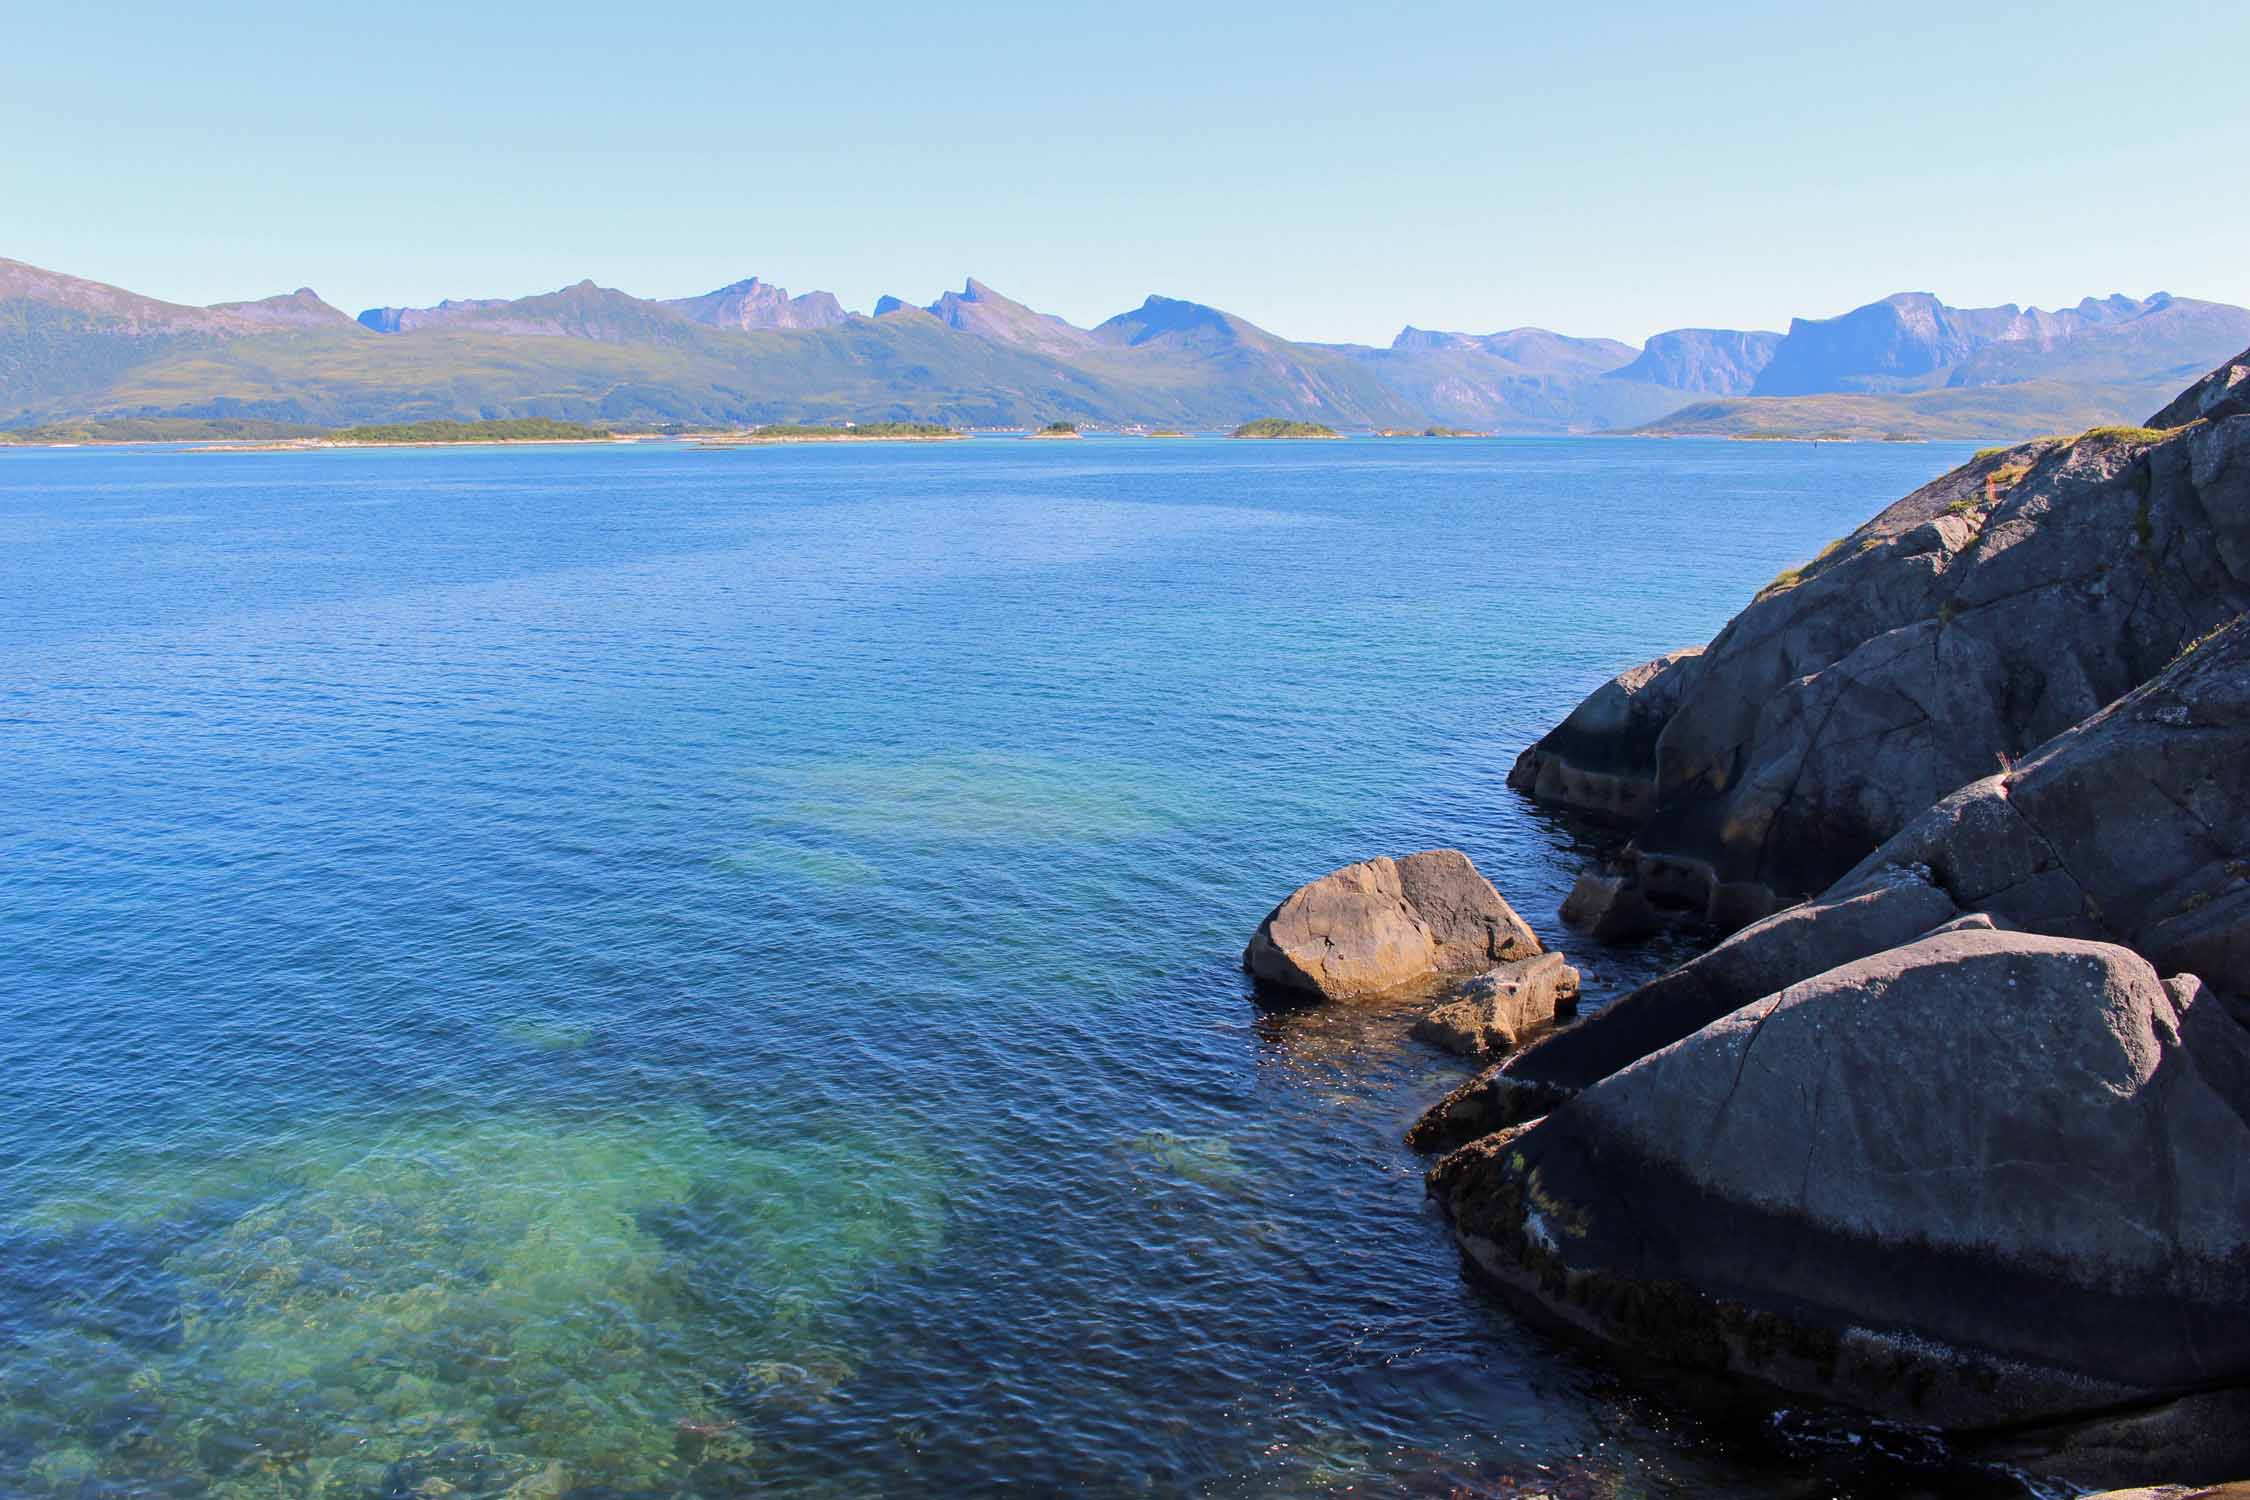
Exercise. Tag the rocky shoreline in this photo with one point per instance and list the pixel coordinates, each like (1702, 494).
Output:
(1954, 1127)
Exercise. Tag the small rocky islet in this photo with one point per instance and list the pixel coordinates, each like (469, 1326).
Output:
(1953, 1128)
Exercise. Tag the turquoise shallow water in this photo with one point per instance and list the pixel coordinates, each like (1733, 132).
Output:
(642, 971)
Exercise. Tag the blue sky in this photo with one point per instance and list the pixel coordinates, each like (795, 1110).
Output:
(1329, 172)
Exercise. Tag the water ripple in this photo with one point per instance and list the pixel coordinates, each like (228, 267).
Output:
(625, 972)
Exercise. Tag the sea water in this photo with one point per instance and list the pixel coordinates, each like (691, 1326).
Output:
(639, 970)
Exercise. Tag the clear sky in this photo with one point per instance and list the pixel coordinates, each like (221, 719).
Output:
(1328, 171)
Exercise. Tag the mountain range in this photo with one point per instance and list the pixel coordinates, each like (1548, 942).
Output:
(74, 351)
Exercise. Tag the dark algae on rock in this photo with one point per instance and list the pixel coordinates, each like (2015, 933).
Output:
(1961, 1138)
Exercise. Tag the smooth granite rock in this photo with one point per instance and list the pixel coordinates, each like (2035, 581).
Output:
(1984, 1180)
(1940, 643)
(1388, 926)
(1889, 905)
(1602, 759)
(2133, 826)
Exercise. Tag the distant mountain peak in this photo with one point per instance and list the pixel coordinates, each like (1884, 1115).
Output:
(582, 310)
(1176, 320)
(753, 304)
(301, 308)
(997, 319)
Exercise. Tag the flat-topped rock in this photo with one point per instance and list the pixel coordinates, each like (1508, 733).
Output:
(1388, 926)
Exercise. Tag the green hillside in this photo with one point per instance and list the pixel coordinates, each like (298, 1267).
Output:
(892, 370)
(1997, 412)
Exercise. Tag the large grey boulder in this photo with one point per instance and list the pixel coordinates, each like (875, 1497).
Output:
(1888, 906)
(1983, 1180)
(1385, 927)
(2133, 827)
(1882, 908)
(1953, 633)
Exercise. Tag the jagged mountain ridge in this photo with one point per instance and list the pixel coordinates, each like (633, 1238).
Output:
(71, 348)
(753, 303)
(1911, 340)
(980, 310)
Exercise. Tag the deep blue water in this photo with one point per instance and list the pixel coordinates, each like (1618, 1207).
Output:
(634, 971)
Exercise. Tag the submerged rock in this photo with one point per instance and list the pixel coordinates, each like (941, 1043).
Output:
(1388, 926)
(1954, 632)
(2039, 1217)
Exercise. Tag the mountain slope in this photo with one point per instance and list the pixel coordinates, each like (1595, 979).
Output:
(1969, 413)
(75, 351)
(1517, 380)
(581, 311)
(63, 339)
(979, 310)
(111, 309)
(2177, 337)
(1707, 361)
(1530, 350)
(301, 308)
(1912, 340)
(1190, 359)
(868, 368)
